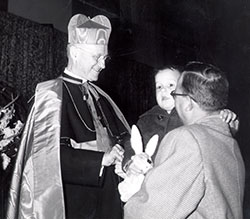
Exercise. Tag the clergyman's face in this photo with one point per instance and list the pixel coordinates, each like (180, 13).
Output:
(91, 60)
(165, 82)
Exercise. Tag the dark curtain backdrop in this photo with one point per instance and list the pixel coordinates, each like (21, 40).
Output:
(30, 52)
(130, 84)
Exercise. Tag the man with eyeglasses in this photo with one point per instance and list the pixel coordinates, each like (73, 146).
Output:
(199, 171)
(163, 118)
(72, 138)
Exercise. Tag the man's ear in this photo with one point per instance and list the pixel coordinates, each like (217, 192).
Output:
(189, 104)
(73, 52)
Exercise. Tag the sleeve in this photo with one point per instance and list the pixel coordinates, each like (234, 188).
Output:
(175, 186)
(147, 128)
(81, 166)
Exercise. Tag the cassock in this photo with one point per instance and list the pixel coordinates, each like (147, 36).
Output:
(88, 194)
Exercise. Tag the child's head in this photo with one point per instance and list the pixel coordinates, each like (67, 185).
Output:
(165, 82)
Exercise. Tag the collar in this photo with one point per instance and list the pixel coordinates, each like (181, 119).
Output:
(73, 78)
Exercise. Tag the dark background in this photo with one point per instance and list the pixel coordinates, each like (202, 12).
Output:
(146, 35)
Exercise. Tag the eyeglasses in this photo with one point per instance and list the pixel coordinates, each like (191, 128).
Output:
(98, 58)
(105, 58)
(174, 94)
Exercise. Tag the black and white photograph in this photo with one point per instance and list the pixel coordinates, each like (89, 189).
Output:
(124, 109)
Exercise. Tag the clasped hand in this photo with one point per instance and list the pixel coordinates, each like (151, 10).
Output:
(230, 118)
(115, 154)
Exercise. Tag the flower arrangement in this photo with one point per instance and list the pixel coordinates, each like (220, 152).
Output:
(12, 118)
(9, 135)
(11, 125)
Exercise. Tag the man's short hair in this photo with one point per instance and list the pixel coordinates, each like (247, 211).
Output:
(207, 84)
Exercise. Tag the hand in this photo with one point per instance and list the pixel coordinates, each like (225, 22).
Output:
(130, 186)
(228, 115)
(231, 118)
(113, 155)
(140, 164)
(119, 171)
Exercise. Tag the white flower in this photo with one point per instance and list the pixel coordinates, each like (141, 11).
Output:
(8, 132)
(6, 160)
(8, 113)
(18, 127)
(4, 142)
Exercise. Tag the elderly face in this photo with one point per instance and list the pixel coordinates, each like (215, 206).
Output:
(165, 82)
(89, 60)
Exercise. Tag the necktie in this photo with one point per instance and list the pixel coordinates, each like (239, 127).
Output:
(102, 138)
